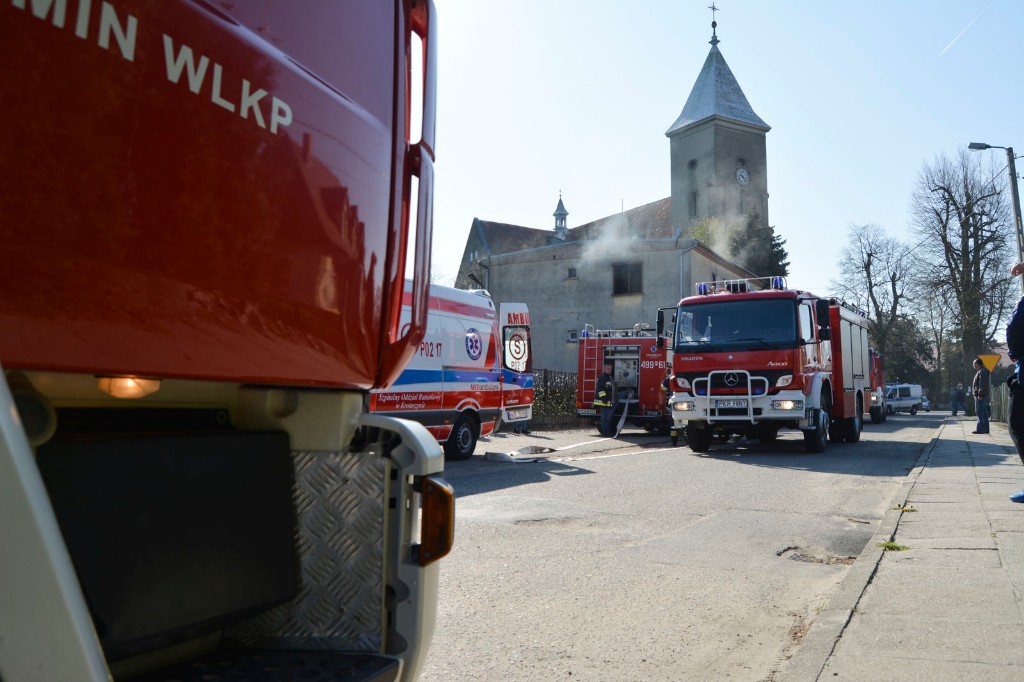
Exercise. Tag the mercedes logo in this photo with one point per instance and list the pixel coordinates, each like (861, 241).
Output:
(731, 379)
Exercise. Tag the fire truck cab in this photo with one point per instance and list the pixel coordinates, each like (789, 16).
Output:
(753, 356)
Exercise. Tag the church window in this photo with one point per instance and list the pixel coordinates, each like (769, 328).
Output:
(693, 164)
(693, 204)
(572, 274)
(627, 278)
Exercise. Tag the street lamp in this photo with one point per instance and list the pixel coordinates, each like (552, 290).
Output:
(1017, 227)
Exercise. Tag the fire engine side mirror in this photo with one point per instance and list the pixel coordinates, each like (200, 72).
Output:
(821, 307)
(824, 333)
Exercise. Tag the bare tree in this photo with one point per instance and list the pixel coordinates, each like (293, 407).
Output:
(964, 221)
(876, 276)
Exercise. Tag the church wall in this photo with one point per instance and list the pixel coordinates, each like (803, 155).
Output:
(560, 304)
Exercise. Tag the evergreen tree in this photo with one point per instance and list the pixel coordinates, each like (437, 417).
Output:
(757, 248)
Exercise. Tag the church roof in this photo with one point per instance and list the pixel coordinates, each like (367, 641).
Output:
(716, 93)
(560, 209)
(650, 221)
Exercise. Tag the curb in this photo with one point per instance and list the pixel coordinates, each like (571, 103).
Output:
(811, 657)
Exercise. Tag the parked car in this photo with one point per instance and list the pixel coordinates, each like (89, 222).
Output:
(926, 404)
(903, 398)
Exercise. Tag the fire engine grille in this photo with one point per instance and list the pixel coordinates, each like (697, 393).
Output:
(719, 385)
(340, 504)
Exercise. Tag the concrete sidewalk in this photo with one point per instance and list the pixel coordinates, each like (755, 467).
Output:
(950, 606)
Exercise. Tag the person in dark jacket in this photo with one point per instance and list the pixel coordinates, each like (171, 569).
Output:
(981, 389)
(604, 399)
(1015, 345)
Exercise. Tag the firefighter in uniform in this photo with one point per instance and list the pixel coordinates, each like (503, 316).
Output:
(604, 399)
(666, 390)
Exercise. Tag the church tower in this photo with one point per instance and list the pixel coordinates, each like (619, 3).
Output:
(719, 164)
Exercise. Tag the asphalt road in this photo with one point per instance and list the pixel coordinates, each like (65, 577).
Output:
(629, 559)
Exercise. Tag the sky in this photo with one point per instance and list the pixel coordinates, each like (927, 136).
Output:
(539, 97)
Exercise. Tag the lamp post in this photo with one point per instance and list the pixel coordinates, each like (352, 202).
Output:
(1017, 227)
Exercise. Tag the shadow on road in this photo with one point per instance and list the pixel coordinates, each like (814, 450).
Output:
(880, 451)
(477, 475)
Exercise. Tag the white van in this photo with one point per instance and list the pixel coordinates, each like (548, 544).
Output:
(903, 398)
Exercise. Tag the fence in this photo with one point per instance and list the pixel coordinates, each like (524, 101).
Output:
(1000, 402)
(554, 399)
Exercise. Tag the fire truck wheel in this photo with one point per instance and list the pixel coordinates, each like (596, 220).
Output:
(855, 424)
(462, 440)
(838, 430)
(699, 440)
(816, 439)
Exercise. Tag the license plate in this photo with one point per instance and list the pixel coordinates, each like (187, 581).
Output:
(730, 403)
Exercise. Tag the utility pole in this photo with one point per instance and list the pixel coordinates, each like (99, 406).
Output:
(1018, 228)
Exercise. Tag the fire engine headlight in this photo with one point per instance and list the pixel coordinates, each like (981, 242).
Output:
(683, 406)
(787, 405)
(874, 398)
(784, 380)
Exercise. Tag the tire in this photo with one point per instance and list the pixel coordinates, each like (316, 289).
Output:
(838, 430)
(855, 424)
(913, 410)
(699, 439)
(816, 440)
(462, 440)
(877, 417)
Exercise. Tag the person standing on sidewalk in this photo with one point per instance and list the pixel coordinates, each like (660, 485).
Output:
(604, 399)
(1015, 346)
(981, 388)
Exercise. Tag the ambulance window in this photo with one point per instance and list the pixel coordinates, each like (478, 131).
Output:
(806, 329)
(516, 354)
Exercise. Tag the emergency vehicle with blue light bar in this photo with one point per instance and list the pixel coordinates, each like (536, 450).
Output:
(752, 357)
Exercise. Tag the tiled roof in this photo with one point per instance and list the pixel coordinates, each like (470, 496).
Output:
(716, 93)
(650, 221)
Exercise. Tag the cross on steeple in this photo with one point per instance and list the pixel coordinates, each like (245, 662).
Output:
(714, 24)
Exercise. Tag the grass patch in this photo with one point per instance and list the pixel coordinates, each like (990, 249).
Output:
(892, 547)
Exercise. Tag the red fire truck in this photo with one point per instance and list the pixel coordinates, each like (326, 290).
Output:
(639, 363)
(207, 210)
(753, 356)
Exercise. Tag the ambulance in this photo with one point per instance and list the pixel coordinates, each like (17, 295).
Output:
(472, 370)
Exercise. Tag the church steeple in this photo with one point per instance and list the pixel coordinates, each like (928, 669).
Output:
(718, 151)
(716, 94)
(561, 231)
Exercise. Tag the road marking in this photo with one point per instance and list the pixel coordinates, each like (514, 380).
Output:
(618, 454)
(576, 445)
